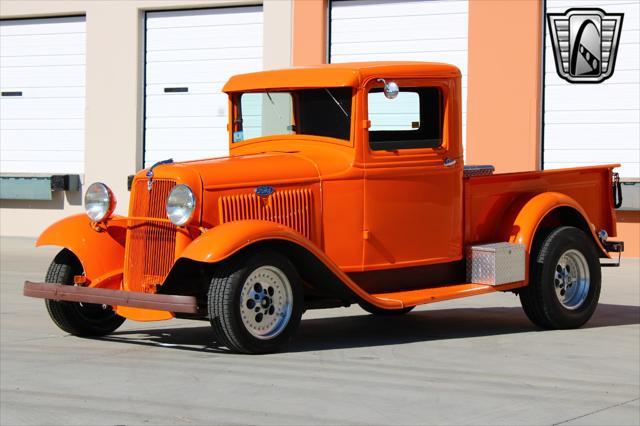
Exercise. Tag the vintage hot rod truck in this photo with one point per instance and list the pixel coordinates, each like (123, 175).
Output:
(344, 184)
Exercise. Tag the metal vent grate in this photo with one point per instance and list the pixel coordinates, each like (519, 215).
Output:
(291, 208)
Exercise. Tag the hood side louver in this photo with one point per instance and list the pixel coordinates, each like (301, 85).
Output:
(291, 208)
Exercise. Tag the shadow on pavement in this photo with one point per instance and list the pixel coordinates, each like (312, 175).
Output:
(367, 330)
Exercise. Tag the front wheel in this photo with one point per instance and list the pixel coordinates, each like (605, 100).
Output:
(255, 302)
(565, 280)
(80, 319)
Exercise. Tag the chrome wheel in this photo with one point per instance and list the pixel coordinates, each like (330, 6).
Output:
(571, 279)
(266, 302)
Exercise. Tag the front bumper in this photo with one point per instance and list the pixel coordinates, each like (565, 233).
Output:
(104, 296)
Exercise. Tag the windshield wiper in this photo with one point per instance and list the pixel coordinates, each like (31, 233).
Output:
(275, 107)
(346, 114)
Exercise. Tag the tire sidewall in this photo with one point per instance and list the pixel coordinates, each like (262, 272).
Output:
(267, 258)
(561, 317)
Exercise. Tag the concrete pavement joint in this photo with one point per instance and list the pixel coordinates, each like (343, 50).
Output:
(596, 411)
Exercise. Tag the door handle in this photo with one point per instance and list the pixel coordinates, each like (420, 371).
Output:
(448, 162)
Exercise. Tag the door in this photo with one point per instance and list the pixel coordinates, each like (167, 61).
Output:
(190, 54)
(413, 179)
(42, 104)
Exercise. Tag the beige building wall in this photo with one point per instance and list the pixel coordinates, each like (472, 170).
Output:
(114, 93)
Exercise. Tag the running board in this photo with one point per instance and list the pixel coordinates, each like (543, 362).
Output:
(436, 294)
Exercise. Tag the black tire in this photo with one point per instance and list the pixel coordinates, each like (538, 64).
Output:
(86, 319)
(374, 310)
(539, 299)
(225, 298)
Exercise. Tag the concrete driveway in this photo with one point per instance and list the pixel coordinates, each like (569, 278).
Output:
(471, 361)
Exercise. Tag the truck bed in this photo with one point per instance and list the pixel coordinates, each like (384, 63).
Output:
(488, 198)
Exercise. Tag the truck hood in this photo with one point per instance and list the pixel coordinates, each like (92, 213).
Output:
(269, 168)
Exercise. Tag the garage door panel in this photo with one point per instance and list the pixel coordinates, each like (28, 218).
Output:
(592, 116)
(198, 50)
(42, 130)
(184, 154)
(206, 17)
(420, 27)
(189, 105)
(165, 138)
(43, 124)
(200, 72)
(182, 122)
(46, 26)
(209, 87)
(41, 139)
(457, 45)
(602, 97)
(45, 76)
(397, 8)
(603, 156)
(50, 108)
(204, 38)
(44, 45)
(204, 54)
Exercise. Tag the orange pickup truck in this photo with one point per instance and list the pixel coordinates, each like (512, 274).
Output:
(344, 184)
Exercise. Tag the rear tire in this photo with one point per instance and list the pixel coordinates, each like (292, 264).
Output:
(564, 280)
(80, 319)
(255, 302)
(374, 310)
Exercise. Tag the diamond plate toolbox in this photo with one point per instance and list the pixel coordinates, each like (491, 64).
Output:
(495, 264)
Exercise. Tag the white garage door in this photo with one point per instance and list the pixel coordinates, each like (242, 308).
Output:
(190, 54)
(397, 30)
(586, 124)
(42, 79)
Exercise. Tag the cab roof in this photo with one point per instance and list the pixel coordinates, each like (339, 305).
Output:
(335, 75)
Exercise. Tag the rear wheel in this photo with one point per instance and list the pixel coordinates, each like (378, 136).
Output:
(565, 280)
(80, 319)
(255, 302)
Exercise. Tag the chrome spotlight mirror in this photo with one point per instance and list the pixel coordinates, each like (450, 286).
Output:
(391, 89)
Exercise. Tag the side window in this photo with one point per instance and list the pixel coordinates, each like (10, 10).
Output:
(412, 120)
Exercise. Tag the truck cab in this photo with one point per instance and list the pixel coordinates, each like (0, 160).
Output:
(344, 184)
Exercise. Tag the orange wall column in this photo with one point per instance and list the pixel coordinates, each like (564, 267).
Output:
(309, 32)
(504, 93)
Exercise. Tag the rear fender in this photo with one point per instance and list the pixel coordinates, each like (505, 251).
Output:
(222, 242)
(527, 216)
(99, 249)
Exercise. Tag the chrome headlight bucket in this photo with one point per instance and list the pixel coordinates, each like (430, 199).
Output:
(181, 203)
(99, 202)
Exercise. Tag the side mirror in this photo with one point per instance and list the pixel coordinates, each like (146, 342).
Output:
(391, 89)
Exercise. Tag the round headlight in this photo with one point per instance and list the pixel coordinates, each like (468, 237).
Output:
(99, 202)
(180, 205)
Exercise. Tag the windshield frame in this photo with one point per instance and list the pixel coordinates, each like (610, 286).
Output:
(234, 108)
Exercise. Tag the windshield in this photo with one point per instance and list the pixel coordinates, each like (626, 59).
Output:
(318, 112)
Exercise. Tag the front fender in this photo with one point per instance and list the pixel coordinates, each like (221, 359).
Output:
(100, 252)
(222, 242)
(525, 218)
